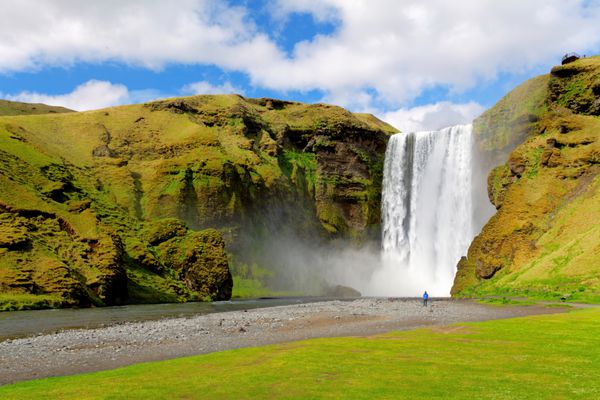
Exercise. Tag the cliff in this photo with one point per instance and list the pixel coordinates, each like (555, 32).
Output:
(544, 239)
(138, 203)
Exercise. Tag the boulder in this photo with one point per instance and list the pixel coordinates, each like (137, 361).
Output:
(200, 261)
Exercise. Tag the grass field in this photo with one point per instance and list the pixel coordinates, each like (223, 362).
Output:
(540, 357)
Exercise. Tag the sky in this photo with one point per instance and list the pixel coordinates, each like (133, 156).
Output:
(419, 65)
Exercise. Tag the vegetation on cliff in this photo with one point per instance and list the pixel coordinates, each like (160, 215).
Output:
(544, 240)
(121, 204)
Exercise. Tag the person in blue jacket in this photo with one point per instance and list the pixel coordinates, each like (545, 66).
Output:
(425, 298)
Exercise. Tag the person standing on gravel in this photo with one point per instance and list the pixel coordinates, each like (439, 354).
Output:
(425, 298)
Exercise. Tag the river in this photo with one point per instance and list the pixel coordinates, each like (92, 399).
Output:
(26, 323)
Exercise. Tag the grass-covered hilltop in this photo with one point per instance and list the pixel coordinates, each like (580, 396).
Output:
(544, 240)
(17, 108)
(139, 203)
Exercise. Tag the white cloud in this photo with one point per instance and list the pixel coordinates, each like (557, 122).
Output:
(400, 48)
(96, 94)
(87, 96)
(322, 11)
(205, 87)
(357, 100)
(148, 33)
(432, 117)
(387, 51)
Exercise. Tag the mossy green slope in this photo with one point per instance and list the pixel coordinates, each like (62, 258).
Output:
(544, 240)
(506, 125)
(17, 108)
(81, 191)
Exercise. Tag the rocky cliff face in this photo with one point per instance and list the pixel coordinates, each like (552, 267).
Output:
(544, 240)
(137, 203)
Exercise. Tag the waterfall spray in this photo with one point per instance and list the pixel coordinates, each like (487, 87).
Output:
(427, 211)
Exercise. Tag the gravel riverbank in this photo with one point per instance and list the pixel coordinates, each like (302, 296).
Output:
(86, 350)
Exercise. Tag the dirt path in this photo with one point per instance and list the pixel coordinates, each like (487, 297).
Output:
(77, 351)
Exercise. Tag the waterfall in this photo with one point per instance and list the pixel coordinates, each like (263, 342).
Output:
(427, 211)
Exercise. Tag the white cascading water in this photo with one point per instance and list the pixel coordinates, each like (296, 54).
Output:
(427, 211)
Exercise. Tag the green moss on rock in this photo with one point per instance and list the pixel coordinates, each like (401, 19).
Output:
(544, 240)
(201, 262)
(118, 201)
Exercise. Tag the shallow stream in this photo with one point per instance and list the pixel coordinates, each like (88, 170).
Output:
(25, 323)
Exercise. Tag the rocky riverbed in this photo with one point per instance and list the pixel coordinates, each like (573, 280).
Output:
(85, 350)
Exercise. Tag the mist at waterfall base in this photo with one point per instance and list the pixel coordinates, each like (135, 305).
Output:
(434, 201)
(285, 241)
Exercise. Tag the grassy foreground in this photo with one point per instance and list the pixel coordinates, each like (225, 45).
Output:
(550, 356)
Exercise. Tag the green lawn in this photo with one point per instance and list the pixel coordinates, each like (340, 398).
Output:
(248, 288)
(540, 357)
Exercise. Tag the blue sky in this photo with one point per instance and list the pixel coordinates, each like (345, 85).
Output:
(416, 64)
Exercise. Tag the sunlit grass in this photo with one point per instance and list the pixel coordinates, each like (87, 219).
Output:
(26, 301)
(248, 288)
(540, 357)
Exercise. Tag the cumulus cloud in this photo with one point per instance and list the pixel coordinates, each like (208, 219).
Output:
(205, 87)
(432, 116)
(385, 51)
(90, 95)
(322, 11)
(147, 33)
(401, 48)
(95, 94)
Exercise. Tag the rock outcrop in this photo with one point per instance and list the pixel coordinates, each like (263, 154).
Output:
(544, 240)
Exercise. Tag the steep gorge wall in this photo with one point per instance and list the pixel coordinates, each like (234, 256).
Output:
(80, 185)
(544, 240)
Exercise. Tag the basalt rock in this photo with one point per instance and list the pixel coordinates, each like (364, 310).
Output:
(44, 255)
(197, 257)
